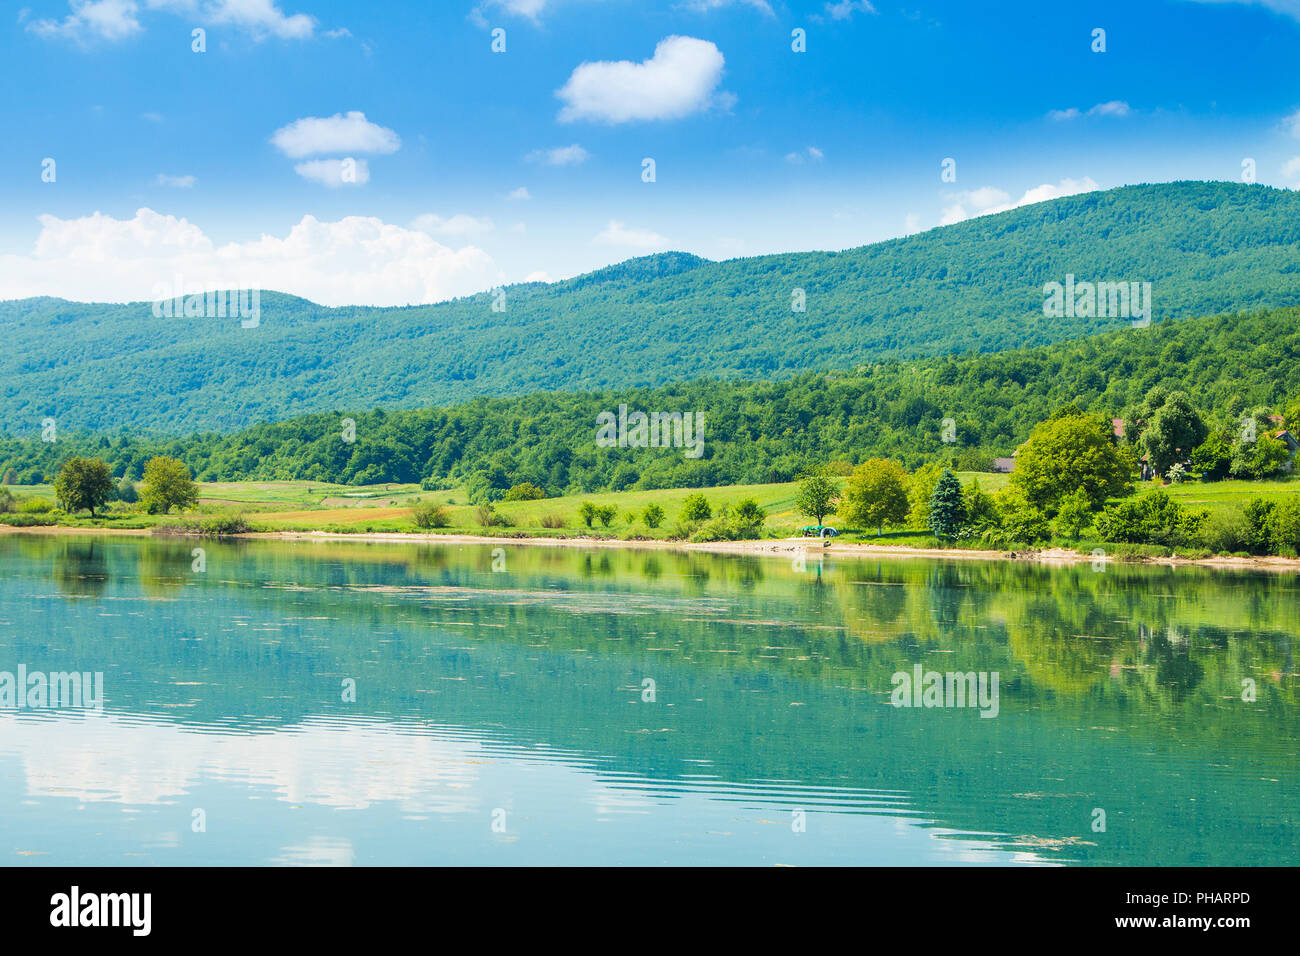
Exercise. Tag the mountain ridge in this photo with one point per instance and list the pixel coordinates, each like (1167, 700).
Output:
(975, 286)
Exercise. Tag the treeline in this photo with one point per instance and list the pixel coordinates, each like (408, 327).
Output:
(959, 412)
(977, 285)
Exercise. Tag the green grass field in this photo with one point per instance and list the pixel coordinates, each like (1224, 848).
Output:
(313, 506)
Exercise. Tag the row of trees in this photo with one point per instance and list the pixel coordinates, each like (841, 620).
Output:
(86, 484)
(758, 432)
(1067, 477)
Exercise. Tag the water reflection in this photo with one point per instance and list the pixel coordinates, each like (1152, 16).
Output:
(525, 692)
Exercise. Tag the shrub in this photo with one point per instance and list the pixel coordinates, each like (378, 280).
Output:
(35, 506)
(524, 492)
(744, 522)
(22, 520)
(552, 521)
(587, 512)
(1178, 474)
(1258, 516)
(1224, 532)
(1286, 523)
(606, 513)
(7, 502)
(1020, 521)
(126, 491)
(489, 518)
(652, 515)
(430, 515)
(1153, 518)
(748, 514)
(1074, 516)
(695, 507)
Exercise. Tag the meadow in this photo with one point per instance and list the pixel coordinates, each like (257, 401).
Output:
(388, 508)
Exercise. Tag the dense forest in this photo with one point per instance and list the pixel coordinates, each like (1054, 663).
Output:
(976, 286)
(753, 431)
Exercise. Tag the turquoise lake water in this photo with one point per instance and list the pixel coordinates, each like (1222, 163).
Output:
(639, 707)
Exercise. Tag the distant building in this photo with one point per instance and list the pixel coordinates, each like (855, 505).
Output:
(1004, 465)
(1117, 427)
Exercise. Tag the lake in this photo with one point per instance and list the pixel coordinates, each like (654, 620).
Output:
(344, 702)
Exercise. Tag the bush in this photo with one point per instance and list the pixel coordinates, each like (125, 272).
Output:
(742, 523)
(1224, 532)
(1153, 518)
(606, 513)
(524, 492)
(430, 515)
(1074, 516)
(1286, 523)
(7, 502)
(217, 526)
(1258, 518)
(587, 512)
(1178, 474)
(489, 518)
(552, 521)
(35, 506)
(26, 520)
(652, 515)
(1020, 522)
(695, 507)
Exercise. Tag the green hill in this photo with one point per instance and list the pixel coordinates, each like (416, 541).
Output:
(754, 432)
(975, 286)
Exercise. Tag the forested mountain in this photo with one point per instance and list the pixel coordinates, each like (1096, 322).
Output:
(974, 286)
(753, 431)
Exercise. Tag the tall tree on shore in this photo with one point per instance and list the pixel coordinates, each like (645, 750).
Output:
(817, 495)
(167, 485)
(947, 509)
(876, 494)
(83, 483)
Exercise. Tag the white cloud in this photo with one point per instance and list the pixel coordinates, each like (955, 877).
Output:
(457, 225)
(520, 193)
(680, 79)
(529, 9)
(118, 19)
(988, 200)
(340, 133)
(93, 20)
(1291, 172)
(812, 153)
(539, 276)
(354, 261)
(1292, 124)
(180, 182)
(560, 156)
(1288, 8)
(1109, 108)
(335, 172)
(617, 234)
(706, 6)
(152, 117)
(844, 9)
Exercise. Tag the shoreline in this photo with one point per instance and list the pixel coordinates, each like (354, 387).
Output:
(771, 547)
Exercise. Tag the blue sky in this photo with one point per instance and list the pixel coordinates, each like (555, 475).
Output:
(235, 154)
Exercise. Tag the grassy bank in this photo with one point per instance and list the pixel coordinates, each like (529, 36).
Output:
(388, 508)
